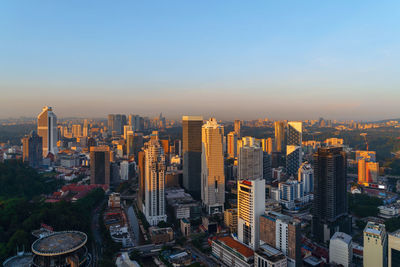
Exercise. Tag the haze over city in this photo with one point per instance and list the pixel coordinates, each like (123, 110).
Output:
(291, 60)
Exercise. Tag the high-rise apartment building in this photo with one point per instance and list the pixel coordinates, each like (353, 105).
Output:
(85, 128)
(267, 145)
(341, 249)
(368, 168)
(330, 196)
(279, 135)
(267, 169)
(100, 165)
(127, 128)
(191, 149)
(32, 149)
(293, 148)
(154, 200)
(76, 130)
(116, 123)
(394, 249)
(250, 162)
(232, 145)
(251, 205)
(375, 245)
(306, 176)
(238, 128)
(212, 167)
(283, 233)
(47, 129)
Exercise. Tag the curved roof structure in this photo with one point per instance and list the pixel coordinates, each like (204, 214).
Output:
(59, 243)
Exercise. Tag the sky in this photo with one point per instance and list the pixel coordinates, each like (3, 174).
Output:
(228, 59)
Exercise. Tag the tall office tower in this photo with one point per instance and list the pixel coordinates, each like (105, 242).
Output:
(85, 128)
(232, 145)
(191, 149)
(330, 198)
(47, 129)
(267, 145)
(100, 165)
(212, 167)
(306, 175)
(141, 175)
(127, 128)
(154, 204)
(267, 170)
(394, 249)
(76, 130)
(368, 168)
(238, 128)
(130, 149)
(32, 150)
(293, 148)
(250, 163)
(279, 136)
(251, 205)
(137, 143)
(283, 233)
(341, 249)
(293, 160)
(375, 245)
(178, 147)
(116, 123)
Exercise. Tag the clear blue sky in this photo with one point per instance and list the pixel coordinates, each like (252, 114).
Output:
(232, 59)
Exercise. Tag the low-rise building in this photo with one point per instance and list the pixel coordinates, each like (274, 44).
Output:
(267, 256)
(161, 235)
(232, 252)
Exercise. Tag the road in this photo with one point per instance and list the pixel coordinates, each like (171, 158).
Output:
(201, 256)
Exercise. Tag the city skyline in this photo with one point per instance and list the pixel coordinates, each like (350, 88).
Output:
(296, 60)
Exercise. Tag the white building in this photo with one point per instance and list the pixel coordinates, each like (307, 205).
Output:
(250, 162)
(232, 252)
(154, 204)
(251, 205)
(306, 175)
(291, 191)
(267, 256)
(47, 129)
(124, 170)
(212, 167)
(341, 249)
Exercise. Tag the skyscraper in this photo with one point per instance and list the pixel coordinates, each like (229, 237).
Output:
(129, 143)
(100, 165)
(368, 168)
(293, 148)
(76, 130)
(267, 145)
(250, 162)
(116, 123)
(191, 143)
(232, 145)
(330, 198)
(212, 167)
(154, 201)
(32, 150)
(251, 205)
(394, 249)
(238, 128)
(47, 129)
(85, 128)
(267, 170)
(279, 136)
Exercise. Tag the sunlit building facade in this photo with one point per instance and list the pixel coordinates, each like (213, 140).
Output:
(212, 167)
(47, 129)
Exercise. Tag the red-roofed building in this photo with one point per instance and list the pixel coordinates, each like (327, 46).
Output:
(232, 252)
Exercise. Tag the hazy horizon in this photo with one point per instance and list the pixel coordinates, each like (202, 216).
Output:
(232, 60)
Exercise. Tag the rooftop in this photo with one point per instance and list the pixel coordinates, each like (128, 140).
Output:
(342, 236)
(59, 243)
(374, 228)
(237, 246)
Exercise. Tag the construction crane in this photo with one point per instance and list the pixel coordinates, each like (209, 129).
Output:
(365, 139)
